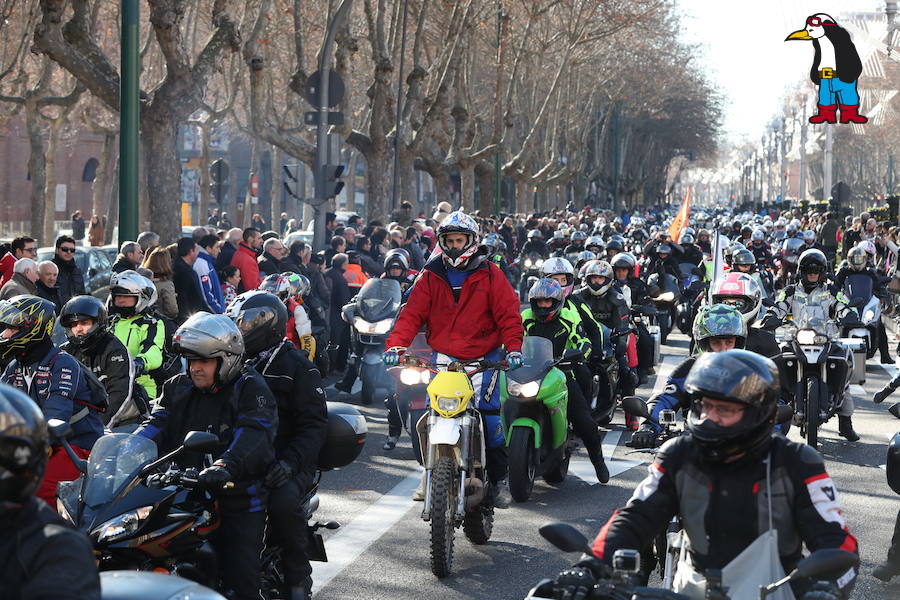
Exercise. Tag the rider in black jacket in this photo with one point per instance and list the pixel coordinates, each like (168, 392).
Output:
(623, 265)
(302, 426)
(717, 478)
(85, 322)
(41, 556)
(222, 395)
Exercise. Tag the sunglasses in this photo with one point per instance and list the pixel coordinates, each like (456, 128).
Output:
(817, 22)
(64, 249)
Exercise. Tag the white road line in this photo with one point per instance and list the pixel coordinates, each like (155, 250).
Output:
(663, 370)
(584, 470)
(858, 391)
(891, 370)
(353, 539)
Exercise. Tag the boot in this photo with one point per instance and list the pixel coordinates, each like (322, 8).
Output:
(845, 428)
(599, 465)
(390, 443)
(302, 591)
(886, 570)
(419, 494)
(884, 393)
(827, 114)
(498, 494)
(849, 114)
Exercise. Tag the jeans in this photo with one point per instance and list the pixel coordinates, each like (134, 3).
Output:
(831, 89)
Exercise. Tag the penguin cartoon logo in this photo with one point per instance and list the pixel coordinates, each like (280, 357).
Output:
(835, 69)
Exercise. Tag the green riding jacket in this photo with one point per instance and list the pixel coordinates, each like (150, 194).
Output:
(144, 336)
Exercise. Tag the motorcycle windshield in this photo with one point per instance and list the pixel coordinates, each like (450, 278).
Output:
(378, 299)
(114, 460)
(537, 356)
(858, 286)
(811, 312)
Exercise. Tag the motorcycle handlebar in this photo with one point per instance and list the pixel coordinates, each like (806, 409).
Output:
(481, 365)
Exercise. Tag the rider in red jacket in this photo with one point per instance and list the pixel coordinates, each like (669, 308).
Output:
(469, 310)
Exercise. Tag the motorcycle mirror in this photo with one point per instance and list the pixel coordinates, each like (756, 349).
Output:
(565, 537)
(200, 441)
(59, 429)
(783, 414)
(636, 406)
(895, 409)
(828, 563)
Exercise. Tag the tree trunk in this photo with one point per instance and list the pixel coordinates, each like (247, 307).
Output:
(49, 231)
(407, 167)
(377, 185)
(113, 217)
(524, 201)
(37, 168)
(100, 187)
(275, 190)
(467, 187)
(204, 173)
(159, 131)
(485, 176)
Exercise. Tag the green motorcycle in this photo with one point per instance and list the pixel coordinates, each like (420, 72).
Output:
(534, 401)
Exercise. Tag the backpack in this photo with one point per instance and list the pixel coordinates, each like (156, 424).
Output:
(99, 397)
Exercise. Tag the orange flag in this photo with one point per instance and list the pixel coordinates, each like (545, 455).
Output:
(681, 219)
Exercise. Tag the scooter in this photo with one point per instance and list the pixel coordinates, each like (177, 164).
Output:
(371, 316)
(534, 401)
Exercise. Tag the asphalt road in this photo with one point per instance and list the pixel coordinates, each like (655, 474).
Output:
(382, 548)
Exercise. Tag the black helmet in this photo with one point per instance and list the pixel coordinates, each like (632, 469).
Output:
(32, 318)
(663, 249)
(623, 260)
(746, 231)
(262, 319)
(23, 446)
(743, 256)
(811, 261)
(893, 463)
(78, 309)
(735, 376)
(615, 244)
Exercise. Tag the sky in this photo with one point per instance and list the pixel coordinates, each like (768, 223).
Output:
(745, 55)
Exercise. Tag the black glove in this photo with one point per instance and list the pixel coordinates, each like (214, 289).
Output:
(279, 474)
(574, 583)
(823, 590)
(215, 477)
(643, 438)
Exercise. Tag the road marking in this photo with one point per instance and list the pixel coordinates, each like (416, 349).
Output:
(353, 539)
(663, 371)
(584, 470)
(891, 370)
(858, 390)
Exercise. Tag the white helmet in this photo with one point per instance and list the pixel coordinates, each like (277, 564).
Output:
(131, 283)
(560, 266)
(458, 222)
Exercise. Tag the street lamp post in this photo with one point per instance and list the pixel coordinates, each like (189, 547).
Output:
(804, 123)
(129, 121)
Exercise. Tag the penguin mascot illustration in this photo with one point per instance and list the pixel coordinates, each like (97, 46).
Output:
(835, 69)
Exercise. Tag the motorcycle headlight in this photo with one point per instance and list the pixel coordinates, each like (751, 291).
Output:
(538, 263)
(529, 389)
(376, 328)
(528, 263)
(869, 315)
(808, 337)
(409, 376)
(122, 525)
(426, 376)
(448, 405)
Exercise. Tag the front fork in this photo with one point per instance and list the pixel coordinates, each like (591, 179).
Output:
(462, 455)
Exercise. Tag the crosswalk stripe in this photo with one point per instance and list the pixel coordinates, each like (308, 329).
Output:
(352, 540)
(663, 370)
(858, 390)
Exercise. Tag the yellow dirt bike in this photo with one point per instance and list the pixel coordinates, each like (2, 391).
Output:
(456, 483)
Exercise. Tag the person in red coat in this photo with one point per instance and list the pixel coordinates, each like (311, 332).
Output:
(245, 259)
(469, 311)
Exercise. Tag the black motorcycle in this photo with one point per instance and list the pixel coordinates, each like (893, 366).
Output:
(530, 265)
(371, 316)
(141, 517)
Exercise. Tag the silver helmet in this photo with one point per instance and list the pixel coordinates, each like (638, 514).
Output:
(131, 283)
(205, 335)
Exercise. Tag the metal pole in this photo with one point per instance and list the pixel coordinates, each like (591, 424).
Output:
(829, 147)
(396, 182)
(782, 172)
(498, 174)
(322, 126)
(801, 194)
(129, 121)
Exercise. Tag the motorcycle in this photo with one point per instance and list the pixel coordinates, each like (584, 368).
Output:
(828, 563)
(858, 287)
(684, 312)
(817, 363)
(605, 381)
(531, 272)
(411, 397)
(141, 518)
(533, 401)
(456, 480)
(371, 316)
(648, 315)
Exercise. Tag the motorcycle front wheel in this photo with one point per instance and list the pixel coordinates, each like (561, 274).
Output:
(443, 515)
(521, 465)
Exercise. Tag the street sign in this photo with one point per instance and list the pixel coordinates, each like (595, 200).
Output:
(219, 170)
(335, 89)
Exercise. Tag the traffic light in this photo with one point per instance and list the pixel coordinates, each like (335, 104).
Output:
(330, 179)
(291, 181)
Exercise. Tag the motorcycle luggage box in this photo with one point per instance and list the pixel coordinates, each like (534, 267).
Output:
(345, 438)
(654, 333)
(858, 350)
